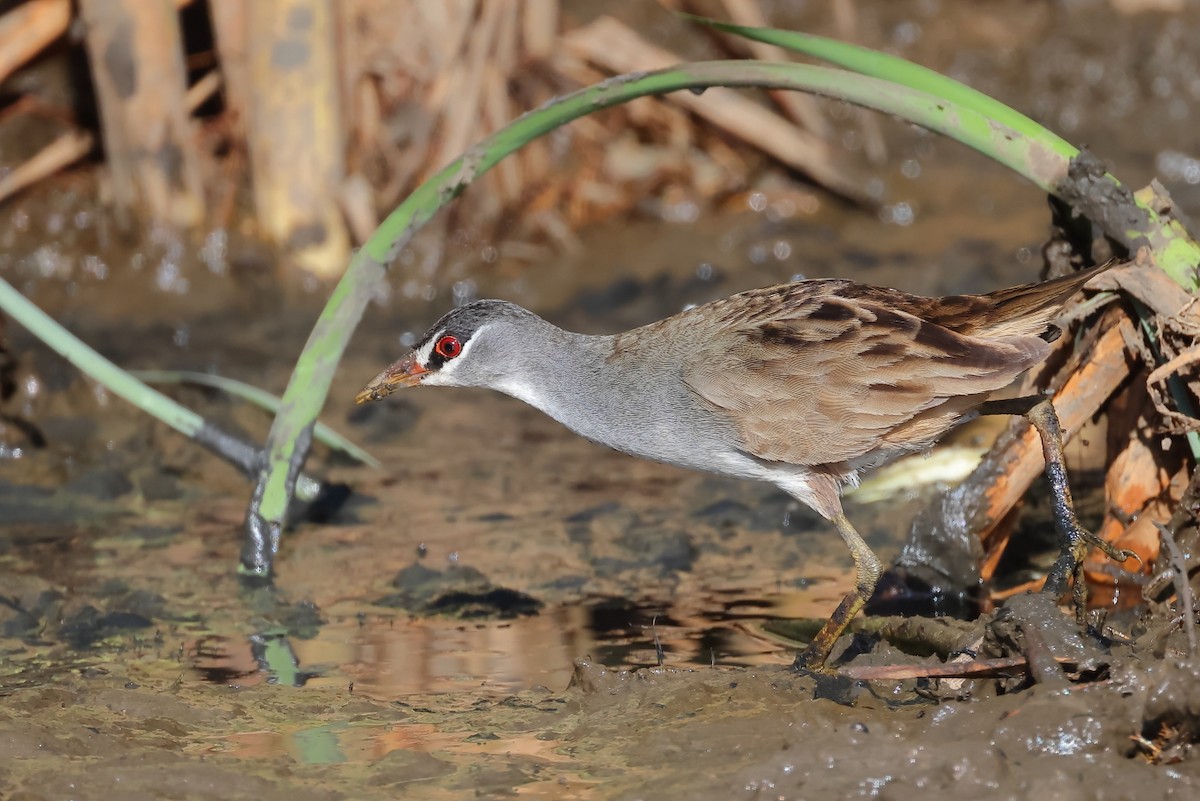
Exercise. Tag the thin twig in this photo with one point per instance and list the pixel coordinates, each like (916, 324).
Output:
(1183, 585)
(975, 669)
(1166, 373)
(63, 151)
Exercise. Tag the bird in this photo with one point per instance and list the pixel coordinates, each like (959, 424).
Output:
(805, 385)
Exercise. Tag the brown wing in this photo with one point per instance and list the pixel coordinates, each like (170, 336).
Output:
(1024, 310)
(824, 378)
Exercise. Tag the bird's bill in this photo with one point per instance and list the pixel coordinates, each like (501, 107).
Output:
(405, 373)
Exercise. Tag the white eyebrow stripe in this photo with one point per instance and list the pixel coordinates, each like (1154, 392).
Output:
(450, 365)
(423, 352)
(445, 374)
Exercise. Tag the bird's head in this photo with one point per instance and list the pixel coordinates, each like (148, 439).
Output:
(476, 345)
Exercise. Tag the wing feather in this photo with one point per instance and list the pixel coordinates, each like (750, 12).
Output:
(827, 378)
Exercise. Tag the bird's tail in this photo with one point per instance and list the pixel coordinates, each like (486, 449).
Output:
(1025, 310)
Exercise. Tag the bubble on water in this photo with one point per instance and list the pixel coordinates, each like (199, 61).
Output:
(215, 251)
(169, 278)
(463, 292)
(1068, 118)
(910, 168)
(898, 214)
(685, 211)
(95, 266)
(1175, 166)
(782, 209)
(49, 263)
(906, 33)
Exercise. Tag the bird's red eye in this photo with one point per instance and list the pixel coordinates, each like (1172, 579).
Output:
(448, 347)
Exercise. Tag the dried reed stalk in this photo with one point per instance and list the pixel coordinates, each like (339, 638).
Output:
(295, 130)
(136, 54)
(28, 28)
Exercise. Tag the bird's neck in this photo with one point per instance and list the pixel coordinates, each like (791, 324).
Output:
(563, 378)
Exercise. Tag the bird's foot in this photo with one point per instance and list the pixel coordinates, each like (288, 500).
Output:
(827, 683)
(1068, 568)
(811, 661)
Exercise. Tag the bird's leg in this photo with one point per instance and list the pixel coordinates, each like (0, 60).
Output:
(867, 569)
(1074, 540)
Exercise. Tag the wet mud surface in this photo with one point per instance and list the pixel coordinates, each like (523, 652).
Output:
(506, 609)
